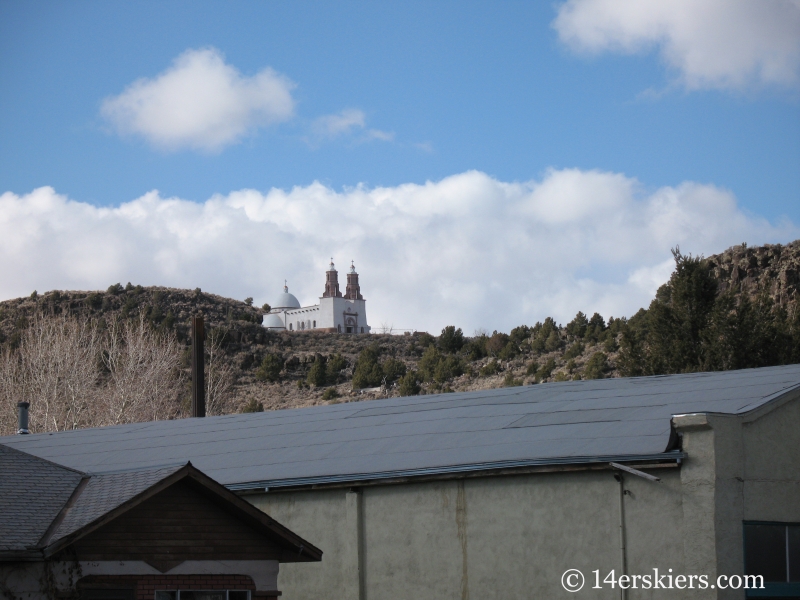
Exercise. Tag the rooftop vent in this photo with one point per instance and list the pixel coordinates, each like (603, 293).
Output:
(22, 410)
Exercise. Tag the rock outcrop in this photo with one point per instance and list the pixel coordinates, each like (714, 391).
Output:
(771, 269)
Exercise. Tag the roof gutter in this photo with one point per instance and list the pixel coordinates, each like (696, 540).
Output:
(493, 469)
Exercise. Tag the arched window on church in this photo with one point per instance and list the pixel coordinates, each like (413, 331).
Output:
(362, 330)
(315, 324)
(290, 326)
(339, 328)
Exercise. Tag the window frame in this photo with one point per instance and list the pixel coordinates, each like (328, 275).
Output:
(773, 589)
(177, 592)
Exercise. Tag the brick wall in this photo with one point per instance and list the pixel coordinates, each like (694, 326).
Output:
(145, 586)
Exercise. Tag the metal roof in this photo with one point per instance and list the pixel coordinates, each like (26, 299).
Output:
(581, 421)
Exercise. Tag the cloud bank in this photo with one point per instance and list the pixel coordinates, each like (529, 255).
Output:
(727, 44)
(468, 250)
(200, 102)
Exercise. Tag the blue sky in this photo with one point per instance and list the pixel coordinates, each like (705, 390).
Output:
(390, 95)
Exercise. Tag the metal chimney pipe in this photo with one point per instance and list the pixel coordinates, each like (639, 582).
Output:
(22, 412)
(198, 368)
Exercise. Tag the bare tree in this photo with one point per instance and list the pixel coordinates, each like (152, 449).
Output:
(76, 375)
(10, 391)
(144, 382)
(219, 375)
(55, 369)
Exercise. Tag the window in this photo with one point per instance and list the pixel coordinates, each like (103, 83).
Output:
(290, 326)
(773, 551)
(315, 324)
(202, 595)
(362, 330)
(339, 328)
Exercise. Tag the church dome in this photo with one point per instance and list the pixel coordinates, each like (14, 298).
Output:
(285, 300)
(273, 321)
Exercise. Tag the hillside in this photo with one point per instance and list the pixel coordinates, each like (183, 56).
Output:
(268, 370)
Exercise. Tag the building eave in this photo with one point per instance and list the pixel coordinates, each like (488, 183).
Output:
(517, 467)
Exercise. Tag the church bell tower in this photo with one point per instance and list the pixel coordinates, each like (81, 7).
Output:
(332, 283)
(353, 291)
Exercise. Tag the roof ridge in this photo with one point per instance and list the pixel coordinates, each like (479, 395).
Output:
(62, 514)
(176, 464)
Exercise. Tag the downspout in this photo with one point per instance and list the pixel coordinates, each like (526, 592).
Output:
(623, 593)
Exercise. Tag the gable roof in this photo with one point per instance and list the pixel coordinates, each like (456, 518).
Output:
(46, 507)
(99, 497)
(571, 422)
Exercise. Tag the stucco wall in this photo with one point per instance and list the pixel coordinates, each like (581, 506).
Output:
(513, 537)
(500, 537)
(771, 487)
(739, 468)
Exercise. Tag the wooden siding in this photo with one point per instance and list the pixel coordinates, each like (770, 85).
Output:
(180, 523)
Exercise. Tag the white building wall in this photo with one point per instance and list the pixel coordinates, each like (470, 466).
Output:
(304, 318)
(332, 313)
(327, 312)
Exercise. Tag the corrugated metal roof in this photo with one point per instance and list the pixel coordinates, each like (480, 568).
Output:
(550, 423)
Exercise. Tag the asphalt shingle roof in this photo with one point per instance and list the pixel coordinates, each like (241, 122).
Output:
(32, 493)
(106, 491)
(35, 492)
(571, 421)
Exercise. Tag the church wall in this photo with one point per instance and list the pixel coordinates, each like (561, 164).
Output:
(327, 312)
(307, 315)
(331, 313)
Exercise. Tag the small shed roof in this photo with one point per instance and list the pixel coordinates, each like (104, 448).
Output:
(581, 421)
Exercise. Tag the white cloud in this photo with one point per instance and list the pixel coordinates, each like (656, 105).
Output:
(377, 134)
(200, 102)
(709, 43)
(467, 250)
(347, 122)
(341, 123)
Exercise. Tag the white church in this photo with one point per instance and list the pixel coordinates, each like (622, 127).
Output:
(334, 313)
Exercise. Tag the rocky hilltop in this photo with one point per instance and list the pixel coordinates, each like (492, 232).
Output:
(771, 269)
(268, 370)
